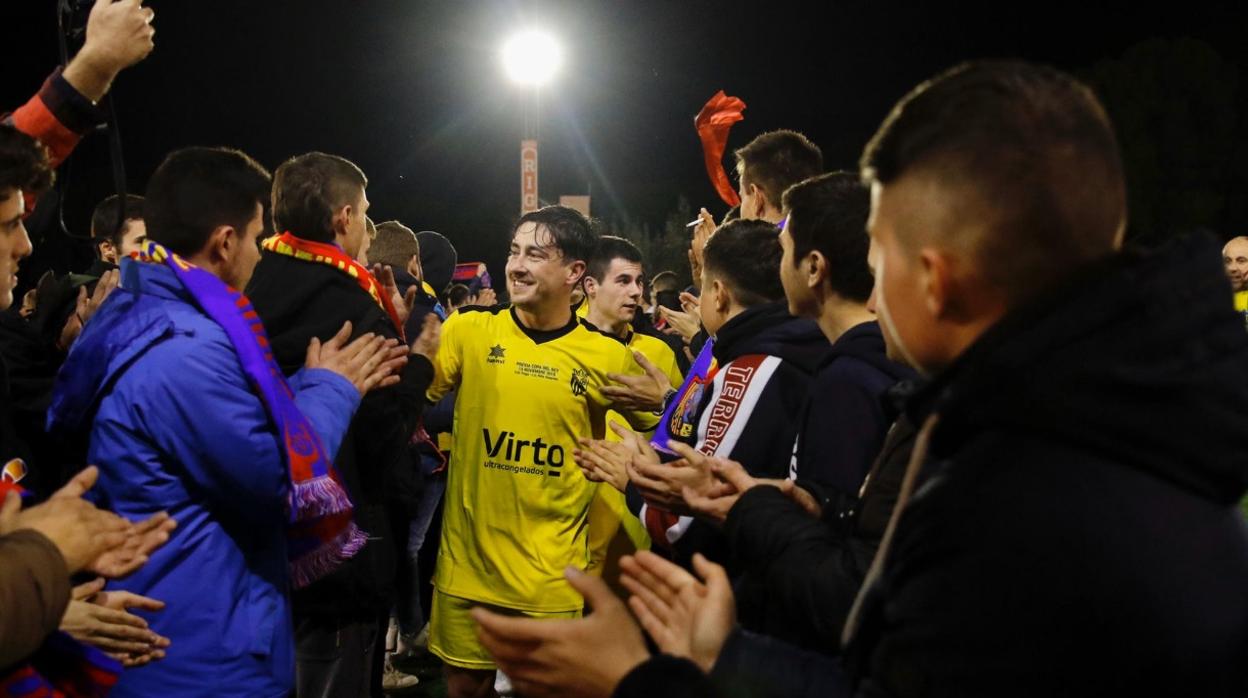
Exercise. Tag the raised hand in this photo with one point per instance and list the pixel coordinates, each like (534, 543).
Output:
(86, 307)
(713, 501)
(684, 616)
(430, 337)
(664, 484)
(403, 304)
(701, 234)
(684, 324)
(119, 34)
(486, 297)
(107, 284)
(690, 303)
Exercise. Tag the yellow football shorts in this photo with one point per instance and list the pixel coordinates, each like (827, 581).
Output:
(453, 634)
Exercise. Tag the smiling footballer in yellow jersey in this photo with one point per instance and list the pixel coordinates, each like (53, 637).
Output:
(529, 376)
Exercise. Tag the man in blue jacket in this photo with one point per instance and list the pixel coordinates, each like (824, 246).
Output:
(177, 422)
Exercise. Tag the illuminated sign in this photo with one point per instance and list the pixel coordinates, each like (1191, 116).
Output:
(528, 176)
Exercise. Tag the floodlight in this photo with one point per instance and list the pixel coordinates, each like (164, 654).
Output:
(532, 57)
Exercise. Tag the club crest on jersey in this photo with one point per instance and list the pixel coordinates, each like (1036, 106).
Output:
(496, 355)
(579, 382)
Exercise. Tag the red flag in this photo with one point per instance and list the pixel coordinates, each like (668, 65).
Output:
(713, 124)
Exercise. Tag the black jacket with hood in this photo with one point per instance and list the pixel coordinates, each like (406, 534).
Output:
(1079, 534)
(299, 300)
(802, 573)
(748, 413)
(846, 416)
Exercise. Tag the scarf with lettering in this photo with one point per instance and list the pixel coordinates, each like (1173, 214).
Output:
(678, 424)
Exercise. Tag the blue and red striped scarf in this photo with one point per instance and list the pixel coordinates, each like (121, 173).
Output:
(321, 533)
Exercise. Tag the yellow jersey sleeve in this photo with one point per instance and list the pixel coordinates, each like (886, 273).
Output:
(661, 355)
(448, 362)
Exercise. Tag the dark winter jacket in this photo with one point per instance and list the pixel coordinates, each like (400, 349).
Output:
(1079, 533)
(298, 300)
(175, 425)
(748, 412)
(845, 419)
(801, 573)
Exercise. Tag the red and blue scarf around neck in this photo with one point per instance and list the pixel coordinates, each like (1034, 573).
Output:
(329, 254)
(321, 532)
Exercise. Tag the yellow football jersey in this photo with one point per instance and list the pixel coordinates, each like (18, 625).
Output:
(515, 513)
(613, 530)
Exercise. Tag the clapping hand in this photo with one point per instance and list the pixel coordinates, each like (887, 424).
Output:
(583, 657)
(370, 361)
(103, 619)
(687, 325)
(403, 304)
(665, 484)
(684, 616)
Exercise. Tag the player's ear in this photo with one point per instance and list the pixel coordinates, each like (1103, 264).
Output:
(576, 271)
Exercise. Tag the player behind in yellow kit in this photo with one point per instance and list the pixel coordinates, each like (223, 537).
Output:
(529, 375)
(613, 289)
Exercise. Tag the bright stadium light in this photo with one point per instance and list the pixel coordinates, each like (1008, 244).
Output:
(532, 57)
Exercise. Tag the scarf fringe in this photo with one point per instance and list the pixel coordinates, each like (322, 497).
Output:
(320, 496)
(311, 566)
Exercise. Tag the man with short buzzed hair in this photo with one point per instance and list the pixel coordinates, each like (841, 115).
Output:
(1077, 391)
(768, 165)
(306, 285)
(397, 247)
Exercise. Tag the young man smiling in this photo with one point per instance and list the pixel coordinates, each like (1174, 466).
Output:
(529, 376)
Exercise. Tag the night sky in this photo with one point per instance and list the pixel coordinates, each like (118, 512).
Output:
(414, 93)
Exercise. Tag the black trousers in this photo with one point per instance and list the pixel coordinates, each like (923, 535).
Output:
(337, 657)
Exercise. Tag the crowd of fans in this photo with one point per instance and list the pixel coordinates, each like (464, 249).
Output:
(927, 428)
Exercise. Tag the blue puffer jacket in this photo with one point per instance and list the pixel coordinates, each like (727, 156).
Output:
(174, 426)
